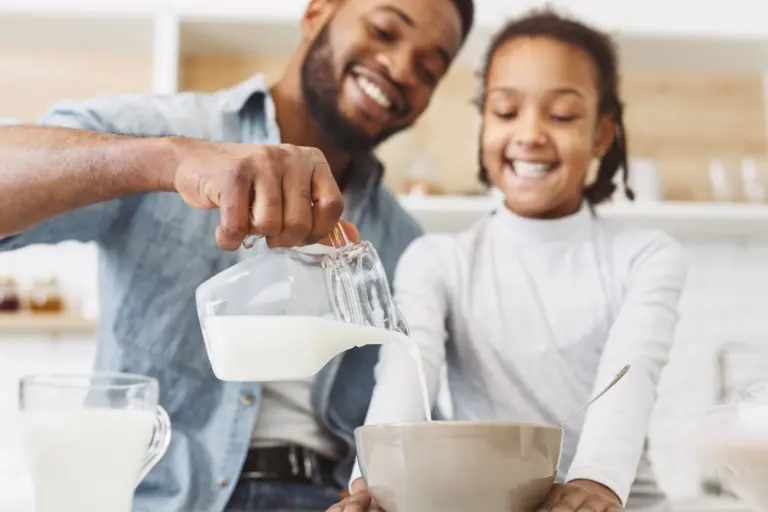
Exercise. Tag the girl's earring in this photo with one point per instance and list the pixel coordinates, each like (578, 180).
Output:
(592, 170)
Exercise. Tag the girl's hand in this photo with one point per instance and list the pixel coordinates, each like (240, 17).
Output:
(360, 500)
(581, 496)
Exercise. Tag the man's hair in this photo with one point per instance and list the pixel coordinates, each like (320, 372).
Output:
(467, 13)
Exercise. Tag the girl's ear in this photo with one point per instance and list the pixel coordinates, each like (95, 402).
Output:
(605, 134)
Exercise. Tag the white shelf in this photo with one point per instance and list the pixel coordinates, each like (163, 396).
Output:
(80, 8)
(45, 324)
(72, 31)
(649, 18)
(241, 35)
(656, 35)
(639, 51)
(685, 35)
(682, 220)
(287, 12)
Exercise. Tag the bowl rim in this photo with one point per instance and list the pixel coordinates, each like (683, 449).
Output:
(457, 424)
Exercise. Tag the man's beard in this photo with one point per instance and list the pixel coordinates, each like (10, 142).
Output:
(321, 92)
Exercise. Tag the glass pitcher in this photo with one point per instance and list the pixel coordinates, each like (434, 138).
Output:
(283, 314)
(735, 441)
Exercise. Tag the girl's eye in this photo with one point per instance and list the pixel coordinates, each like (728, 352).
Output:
(505, 114)
(563, 119)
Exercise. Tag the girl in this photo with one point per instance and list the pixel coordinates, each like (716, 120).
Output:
(542, 302)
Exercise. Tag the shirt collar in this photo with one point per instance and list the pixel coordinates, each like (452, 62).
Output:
(238, 97)
(566, 229)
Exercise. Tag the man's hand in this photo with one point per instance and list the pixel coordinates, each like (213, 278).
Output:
(581, 496)
(260, 190)
(349, 229)
(359, 501)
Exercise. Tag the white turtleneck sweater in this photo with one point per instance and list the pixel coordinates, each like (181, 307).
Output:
(532, 317)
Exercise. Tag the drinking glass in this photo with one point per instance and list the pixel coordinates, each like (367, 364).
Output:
(91, 439)
(735, 438)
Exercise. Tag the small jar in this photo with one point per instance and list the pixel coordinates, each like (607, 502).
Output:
(9, 295)
(46, 296)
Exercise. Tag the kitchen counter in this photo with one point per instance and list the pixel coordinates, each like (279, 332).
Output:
(711, 504)
(20, 501)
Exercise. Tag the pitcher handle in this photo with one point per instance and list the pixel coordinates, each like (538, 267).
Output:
(161, 438)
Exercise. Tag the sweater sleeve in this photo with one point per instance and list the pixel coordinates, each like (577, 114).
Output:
(616, 426)
(421, 295)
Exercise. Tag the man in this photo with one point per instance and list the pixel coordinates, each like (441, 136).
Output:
(104, 170)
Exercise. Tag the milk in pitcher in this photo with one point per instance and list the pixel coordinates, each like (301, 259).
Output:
(264, 348)
(86, 460)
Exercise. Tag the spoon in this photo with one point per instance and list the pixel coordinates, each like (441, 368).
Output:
(613, 382)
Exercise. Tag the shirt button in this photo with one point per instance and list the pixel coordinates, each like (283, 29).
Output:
(223, 481)
(247, 400)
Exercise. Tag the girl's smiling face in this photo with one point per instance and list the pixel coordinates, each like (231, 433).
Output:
(541, 125)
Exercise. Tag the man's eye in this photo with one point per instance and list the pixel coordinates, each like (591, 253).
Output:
(384, 35)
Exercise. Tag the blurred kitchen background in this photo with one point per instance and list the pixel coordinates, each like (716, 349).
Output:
(695, 81)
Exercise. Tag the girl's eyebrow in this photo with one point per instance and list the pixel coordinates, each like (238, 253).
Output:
(557, 90)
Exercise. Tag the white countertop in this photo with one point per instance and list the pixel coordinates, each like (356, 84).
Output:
(711, 504)
(11, 500)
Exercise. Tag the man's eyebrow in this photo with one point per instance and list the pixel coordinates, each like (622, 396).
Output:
(445, 56)
(398, 12)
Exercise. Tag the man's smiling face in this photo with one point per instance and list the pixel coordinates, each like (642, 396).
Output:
(371, 69)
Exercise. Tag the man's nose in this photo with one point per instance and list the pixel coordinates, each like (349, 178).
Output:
(399, 64)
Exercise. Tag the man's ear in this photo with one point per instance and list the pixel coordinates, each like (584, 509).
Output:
(604, 136)
(316, 15)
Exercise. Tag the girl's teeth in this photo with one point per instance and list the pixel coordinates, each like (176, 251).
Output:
(373, 91)
(531, 170)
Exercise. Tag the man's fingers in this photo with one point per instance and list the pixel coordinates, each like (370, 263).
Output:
(297, 204)
(234, 209)
(327, 198)
(349, 229)
(267, 204)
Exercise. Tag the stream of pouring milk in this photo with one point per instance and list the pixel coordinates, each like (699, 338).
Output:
(263, 348)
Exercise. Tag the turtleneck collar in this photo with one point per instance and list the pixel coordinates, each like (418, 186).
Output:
(564, 229)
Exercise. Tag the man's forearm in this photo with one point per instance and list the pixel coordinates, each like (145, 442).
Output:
(47, 171)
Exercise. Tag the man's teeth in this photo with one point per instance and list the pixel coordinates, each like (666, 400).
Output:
(531, 169)
(373, 91)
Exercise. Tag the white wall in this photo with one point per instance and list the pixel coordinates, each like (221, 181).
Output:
(726, 301)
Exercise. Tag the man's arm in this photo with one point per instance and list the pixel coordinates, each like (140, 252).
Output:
(46, 171)
(62, 184)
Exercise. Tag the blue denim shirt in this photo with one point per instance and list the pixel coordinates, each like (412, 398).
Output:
(155, 250)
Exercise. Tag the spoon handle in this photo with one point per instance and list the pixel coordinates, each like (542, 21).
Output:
(613, 382)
